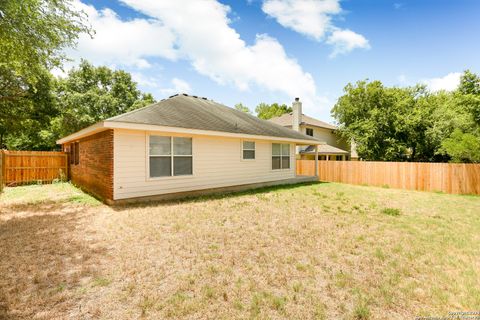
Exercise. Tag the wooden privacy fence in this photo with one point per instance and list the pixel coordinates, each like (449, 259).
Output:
(25, 167)
(457, 178)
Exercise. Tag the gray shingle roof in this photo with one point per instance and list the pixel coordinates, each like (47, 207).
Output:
(287, 118)
(192, 112)
(324, 149)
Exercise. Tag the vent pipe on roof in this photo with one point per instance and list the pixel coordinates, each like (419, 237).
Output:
(297, 114)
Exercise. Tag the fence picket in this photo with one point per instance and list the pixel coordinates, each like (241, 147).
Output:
(454, 178)
(24, 167)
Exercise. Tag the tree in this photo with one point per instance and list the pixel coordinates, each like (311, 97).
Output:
(411, 124)
(370, 114)
(462, 147)
(241, 107)
(268, 111)
(469, 83)
(33, 36)
(23, 120)
(90, 94)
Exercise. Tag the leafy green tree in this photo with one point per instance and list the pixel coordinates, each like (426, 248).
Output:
(241, 107)
(90, 94)
(463, 144)
(411, 124)
(469, 83)
(371, 115)
(24, 120)
(33, 36)
(462, 147)
(267, 111)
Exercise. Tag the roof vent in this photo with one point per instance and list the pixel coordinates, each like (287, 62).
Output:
(204, 98)
(186, 95)
(195, 96)
(173, 96)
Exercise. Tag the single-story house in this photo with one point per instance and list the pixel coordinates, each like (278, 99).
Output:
(179, 146)
(335, 147)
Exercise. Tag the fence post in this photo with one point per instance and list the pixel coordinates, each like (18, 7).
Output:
(2, 169)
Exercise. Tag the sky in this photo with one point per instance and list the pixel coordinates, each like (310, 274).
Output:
(253, 51)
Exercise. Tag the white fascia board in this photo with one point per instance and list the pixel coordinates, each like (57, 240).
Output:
(153, 128)
(99, 126)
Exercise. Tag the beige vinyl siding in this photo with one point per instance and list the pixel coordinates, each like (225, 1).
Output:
(327, 136)
(217, 162)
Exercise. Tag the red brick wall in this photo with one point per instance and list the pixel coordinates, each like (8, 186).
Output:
(94, 172)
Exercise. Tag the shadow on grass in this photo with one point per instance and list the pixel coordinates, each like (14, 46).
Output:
(213, 196)
(43, 262)
(41, 207)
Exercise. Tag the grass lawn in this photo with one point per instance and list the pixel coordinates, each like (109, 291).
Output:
(318, 251)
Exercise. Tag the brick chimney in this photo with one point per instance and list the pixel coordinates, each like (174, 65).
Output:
(297, 114)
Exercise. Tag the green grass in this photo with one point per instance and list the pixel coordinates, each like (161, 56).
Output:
(391, 211)
(61, 192)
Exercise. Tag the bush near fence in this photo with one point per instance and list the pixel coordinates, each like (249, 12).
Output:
(26, 167)
(456, 178)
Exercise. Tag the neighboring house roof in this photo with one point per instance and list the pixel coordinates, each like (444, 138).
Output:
(324, 149)
(196, 114)
(286, 120)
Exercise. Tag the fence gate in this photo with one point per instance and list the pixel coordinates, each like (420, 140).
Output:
(26, 167)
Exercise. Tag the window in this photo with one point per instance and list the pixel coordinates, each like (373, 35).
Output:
(322, 157)
(72, 153)
(77, 153)
(170, 156)
(280, 156)
(339, 158)
(310, 132)
(248, 150)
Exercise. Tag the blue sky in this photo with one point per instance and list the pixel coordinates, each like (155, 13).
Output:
(273, 50)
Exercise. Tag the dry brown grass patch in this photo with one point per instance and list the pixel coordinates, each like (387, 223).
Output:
(316, 251)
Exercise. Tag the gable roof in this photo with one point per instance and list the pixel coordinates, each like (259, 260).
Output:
(287, 119)
(324, 149)
(195, 113)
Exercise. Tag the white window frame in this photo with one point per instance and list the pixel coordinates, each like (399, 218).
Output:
(171, 176)
(281, 155)
(254, 149)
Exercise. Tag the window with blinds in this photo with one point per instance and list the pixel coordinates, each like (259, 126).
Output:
(170, 156)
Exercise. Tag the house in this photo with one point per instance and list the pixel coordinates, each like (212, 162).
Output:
(180, 146)
(335, 147)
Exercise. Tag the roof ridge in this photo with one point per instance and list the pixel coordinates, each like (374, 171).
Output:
(147, 106)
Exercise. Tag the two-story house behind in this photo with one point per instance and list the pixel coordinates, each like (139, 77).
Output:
(335, 147)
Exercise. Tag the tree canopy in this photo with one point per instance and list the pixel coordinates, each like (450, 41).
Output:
(90, 94)
(243, 108)
(33, 36)
(411, 124)
(62, 106)
(267, 111)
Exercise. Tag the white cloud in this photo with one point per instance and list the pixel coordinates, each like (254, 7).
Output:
(313, 18)
(118, 42)
(178, 86)
(309, 17)
(205, 38)
(402, 79)
(449, 82)
(200, 33)
(345, 41)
